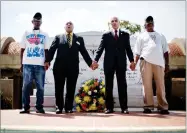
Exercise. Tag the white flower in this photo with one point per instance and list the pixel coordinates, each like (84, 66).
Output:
(82, 85)
(95, 91)
(100, 86)
(89, 93)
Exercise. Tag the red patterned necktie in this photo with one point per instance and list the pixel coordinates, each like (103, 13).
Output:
(116, 35)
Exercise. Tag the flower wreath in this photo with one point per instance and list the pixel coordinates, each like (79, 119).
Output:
(91, 96)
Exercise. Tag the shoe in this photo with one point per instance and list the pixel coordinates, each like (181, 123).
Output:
(41, 111)
(164, 112)
(147, 111)
(125, 111)
(58, 111)
(108, 111)
(25, 111)
(68, 111)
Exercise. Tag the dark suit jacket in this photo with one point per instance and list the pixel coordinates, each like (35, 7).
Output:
(115, 51)
(68, 57)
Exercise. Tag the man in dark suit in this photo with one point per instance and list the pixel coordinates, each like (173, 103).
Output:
(66, 65)
(116, 44)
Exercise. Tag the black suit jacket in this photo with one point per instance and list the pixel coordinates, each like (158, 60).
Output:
(115, 51)
(68, 57)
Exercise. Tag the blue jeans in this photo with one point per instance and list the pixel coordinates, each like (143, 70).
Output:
(30, 73)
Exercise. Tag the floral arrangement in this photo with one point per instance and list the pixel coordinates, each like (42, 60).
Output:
(91, 96)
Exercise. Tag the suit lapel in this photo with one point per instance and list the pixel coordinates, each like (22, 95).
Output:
(64, 38)
(112, 35)
(74, 39)
(119, 34)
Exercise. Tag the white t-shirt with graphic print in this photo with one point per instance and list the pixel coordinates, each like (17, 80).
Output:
(34, 42)
(152, 46)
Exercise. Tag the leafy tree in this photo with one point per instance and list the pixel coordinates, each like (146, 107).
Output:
(130, 27)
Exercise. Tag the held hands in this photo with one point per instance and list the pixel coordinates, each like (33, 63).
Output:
(132, 66)
(46, 65)
(94, 65)
(166, 68)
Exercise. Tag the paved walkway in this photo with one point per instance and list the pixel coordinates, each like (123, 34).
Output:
(93, 122)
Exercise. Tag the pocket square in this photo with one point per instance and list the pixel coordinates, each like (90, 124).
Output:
(78, 43)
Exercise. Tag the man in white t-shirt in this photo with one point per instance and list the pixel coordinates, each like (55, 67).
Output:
(34, 46)
(152, 50)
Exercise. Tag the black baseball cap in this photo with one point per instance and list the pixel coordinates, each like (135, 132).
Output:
(149, 20)
(37, 16)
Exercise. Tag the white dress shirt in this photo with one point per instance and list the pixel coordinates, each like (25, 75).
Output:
(113, 32)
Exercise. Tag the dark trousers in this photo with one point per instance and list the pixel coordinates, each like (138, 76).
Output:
(122, 87)
(60, 77)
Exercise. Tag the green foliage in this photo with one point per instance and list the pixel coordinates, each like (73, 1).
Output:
(132, 28)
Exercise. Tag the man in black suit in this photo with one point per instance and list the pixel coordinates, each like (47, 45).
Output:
(116, 44)
(66, 65)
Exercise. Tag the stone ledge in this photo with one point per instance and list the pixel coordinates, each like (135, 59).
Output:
(177, 62)
(9, 61)
(133, 101)
(136, 121)
(50, 129)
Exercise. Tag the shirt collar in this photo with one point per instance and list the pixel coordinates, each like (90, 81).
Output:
(70, 33)
(114, 30)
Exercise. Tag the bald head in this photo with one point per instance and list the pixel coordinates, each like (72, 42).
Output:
(115, 23)
(69, 27)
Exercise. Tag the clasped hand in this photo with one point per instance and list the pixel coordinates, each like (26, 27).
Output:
(94, 65)
(132, 66)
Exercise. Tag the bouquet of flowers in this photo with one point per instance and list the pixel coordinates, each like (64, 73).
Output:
(91, 96)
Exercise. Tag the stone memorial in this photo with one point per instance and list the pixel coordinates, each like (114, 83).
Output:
(92, 41)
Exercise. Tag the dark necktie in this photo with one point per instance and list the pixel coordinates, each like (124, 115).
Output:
(116, 35)
(68, 40)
